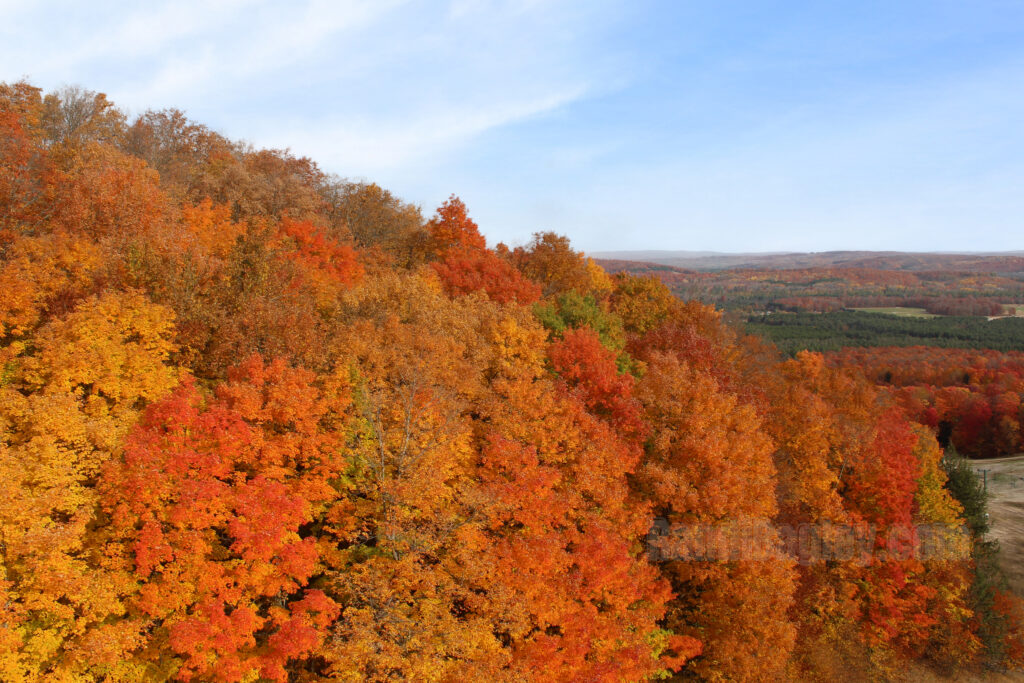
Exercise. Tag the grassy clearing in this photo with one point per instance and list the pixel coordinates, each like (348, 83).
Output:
(900, 310)
(1008, 309)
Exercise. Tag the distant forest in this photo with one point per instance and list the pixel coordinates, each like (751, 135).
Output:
(987, 288)
(792, 332)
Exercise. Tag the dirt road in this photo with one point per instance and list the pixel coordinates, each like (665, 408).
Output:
(1006, 513)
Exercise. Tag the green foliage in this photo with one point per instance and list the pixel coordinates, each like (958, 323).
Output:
(572, 310)
(988, 581)
(967, 487)
(793, 332)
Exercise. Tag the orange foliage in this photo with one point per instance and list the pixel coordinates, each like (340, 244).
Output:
(24, 164)
(551, 262)
(451, 227)
(211, 226)
(100, 193)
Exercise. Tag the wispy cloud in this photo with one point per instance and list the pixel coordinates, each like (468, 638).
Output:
(366, 146)
(268, 42)
(364, 86)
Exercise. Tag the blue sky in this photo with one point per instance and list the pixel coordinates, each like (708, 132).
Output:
(728, 126)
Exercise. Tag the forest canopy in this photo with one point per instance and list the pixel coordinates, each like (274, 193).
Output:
(258, 422)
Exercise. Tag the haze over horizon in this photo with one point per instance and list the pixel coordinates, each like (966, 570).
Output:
(765, 127)
(696, 254)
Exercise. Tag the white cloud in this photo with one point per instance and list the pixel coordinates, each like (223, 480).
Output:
(151, 29)
(264, 47)
(362, 84)
(362, 146)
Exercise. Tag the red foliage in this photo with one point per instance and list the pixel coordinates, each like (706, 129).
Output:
(882, 479)
(211, 496)
(590, 372)
(464, 270)
(321, 255)
(973, 398)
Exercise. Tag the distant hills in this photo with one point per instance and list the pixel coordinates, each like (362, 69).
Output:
(992, 262)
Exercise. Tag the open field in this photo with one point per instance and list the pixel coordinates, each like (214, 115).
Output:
(901, 311)
(1006, 511)
(1013, 309)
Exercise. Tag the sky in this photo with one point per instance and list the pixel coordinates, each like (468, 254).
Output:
(714, 125)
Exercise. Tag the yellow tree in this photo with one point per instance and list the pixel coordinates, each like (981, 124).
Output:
(407, 613)
(66, 402)
(643, 303)
(944, 551)
(40, 275)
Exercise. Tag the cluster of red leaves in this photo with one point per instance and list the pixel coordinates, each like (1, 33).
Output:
(319, 255)
(464, 264)
(211, 496)
(467, 270)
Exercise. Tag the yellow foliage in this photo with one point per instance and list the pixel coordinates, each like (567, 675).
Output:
(72, 395)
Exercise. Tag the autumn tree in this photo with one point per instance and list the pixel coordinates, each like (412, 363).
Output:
(376, 218)
(709, 463)
(102, 194)
(460, 257)
(72, 116)
(406, 612)
(451, 227)
(642, 303)
(66, 402)
(24, 163)
(945, 550)
(182, 151)
(215, 498)
(463, 271)
(551, 262)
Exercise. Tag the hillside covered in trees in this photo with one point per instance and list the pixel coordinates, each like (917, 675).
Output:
(258, 422)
